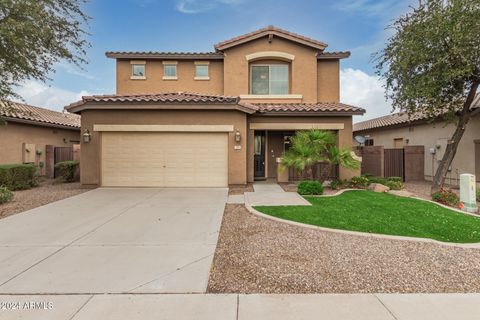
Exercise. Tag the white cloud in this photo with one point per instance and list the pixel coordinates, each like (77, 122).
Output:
(198, 6)
(363, 90)
(42, 95)
(368, 7)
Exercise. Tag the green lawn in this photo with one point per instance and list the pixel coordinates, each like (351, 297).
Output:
(367, 211)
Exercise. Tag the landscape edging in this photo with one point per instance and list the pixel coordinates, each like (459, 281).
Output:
(365, 234)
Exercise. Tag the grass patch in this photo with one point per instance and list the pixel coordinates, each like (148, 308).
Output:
(382, 213)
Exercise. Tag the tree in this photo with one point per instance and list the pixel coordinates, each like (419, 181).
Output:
(311, 147)
(36, 34)
(432, 66)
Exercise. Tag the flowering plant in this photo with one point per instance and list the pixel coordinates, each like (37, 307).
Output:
(446, 197)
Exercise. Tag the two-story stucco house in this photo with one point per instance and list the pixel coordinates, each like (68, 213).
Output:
(211, 119)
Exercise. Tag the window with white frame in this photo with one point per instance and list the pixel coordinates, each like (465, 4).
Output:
(169, 70)
(269, 79)
(138, 70)
(201, 71)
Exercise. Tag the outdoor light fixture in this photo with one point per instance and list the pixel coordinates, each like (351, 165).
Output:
(87, 136)
(238, 137)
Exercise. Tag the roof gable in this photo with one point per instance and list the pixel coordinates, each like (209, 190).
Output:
(270, 31)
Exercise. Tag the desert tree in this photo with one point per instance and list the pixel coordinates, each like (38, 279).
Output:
(431, 66)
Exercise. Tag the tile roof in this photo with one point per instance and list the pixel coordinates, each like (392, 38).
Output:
(163, 55)
(327, 107)
(333, 55)
(166, 97)
(21, 111)
(184, 98)
(399, 118)
(270, 30)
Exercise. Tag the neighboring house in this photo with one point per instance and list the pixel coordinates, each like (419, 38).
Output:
(398, 130)
(251, 95)
(29, 129)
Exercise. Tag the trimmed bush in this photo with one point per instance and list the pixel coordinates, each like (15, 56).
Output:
(394, 185)
(309, 187)
(18, 176)
(447, 197)
(336, 184)
(377, 180)
(359, 182)
(5, 195)
(67, 170)
(395, 179)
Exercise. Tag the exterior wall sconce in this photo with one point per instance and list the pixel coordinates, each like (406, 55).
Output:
(238, 136)
(87, 137)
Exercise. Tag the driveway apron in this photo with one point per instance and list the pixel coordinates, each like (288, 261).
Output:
(113, 240)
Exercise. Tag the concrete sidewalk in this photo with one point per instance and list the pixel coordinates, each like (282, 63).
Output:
(246, 307)
(271, 194)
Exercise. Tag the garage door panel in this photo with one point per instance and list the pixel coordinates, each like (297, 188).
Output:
(164, 159)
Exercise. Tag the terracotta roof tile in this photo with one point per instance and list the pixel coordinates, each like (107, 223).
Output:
(334, 55)
(327, 107)
(269, 29)
(16, 110)
(398, 119)
(163, 55)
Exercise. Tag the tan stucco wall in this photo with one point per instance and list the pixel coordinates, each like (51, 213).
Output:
(427, 135)
(344, 137)
(314, 80)
(328, 73)
(303, 67)
(13, 135)
(155, 83)
(90, 156)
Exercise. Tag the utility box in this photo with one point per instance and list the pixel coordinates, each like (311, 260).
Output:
(468, 193)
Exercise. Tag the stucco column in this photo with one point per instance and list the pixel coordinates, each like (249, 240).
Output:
(345, 141)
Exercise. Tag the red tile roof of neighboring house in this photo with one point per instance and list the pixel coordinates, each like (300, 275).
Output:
(399, 118)
(190, 98)
(267, 31)
(15, 111)
(326, 107)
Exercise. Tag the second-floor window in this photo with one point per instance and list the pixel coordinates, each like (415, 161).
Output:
(269, 79)
(170, 70)
(201, 71)
(138, 70)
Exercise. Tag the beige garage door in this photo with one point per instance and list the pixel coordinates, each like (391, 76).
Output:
(153, 159)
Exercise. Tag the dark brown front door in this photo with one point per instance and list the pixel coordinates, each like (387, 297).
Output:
(259, 154)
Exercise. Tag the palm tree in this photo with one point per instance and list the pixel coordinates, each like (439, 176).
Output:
(313, 146)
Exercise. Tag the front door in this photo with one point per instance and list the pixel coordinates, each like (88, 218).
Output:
(259, 155)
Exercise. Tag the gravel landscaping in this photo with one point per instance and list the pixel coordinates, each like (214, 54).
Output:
(239, 188)
(257, 255)
(48, 191)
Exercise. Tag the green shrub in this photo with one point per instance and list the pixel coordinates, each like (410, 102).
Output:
(5, 195)
(377, 180)
(336, 184)
(18, 176)
(394, 185)
(395, 179)
(447, 197)
(359, 182)
(67, 170)
(309, 187)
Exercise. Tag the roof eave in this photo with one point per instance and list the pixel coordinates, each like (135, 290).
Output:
(79, 107)
(114, 55)
(40, 123)
(311, 113)
(333, 56)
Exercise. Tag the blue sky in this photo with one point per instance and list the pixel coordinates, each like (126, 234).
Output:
(195, 25)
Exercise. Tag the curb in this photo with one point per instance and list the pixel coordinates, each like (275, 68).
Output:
(366, 234)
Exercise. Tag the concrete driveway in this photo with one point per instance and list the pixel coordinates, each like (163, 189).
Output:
(113, 241)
